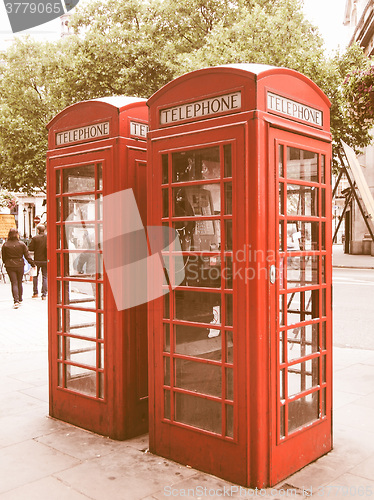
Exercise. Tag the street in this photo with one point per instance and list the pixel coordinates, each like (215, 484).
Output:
(353, 308)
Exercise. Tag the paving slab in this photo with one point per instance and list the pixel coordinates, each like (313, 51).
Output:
(28, 461)
(47, 488)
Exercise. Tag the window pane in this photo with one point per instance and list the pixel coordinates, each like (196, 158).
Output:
(302, 306)
(165, 169)
(199, 271)
(80, 294)
(228, 198)
(198, 377)
(303, 411)
(191, 341)
(198, 307)
(78, 179)
(80, 351)
(197, 164)
(302, 341)
(302, 236)
(229, 421)
(198, 412)
(82, 323)
(81, 380)
(303, 376)
(79, 207)
(302, 200)
(82, 265)
(193, 201)
(227, 159)
(199, 236)
(302, 164)
(302, 271)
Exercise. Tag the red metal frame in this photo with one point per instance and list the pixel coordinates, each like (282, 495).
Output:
(114, 402)
(255, 455)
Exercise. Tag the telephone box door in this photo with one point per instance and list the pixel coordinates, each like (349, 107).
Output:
(300, 301)
(200, 349)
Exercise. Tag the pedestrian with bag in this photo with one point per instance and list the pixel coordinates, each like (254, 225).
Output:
(38, 245)
(13, 252)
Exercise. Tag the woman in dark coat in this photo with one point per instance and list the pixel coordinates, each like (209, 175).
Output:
(12, 253)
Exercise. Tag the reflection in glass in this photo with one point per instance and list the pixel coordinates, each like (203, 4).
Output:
(79, 236)
(303, 376)
(302, 200)
(302, 165)
(196, 342)
(78, 179)
(196, 164)
(303, 411)
(198, 412)
(81, 380)
(198, 377)
(302, 271)
(302, 341)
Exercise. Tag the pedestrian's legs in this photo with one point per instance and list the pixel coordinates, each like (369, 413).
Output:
(35, 279)
(12, 273)
(20, 288)
(44, 279)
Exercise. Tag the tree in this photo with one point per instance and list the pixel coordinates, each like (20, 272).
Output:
(136, 47)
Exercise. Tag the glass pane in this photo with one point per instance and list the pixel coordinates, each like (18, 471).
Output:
(79, 351)
(323, 166)
(58, 209)
(81, 380)
(58, 181)
(228, 198)
(282, 421)
(198, 377)
(79, 236)
(323, 202)
(165, 169)
(196, 200)
(99, 177)
(324, 402)
(100, 302)
(100, 326)
(80, 294)
(82, 265)
(281, 347)
(166, 338)
(302, 236)
(229, 310)
(198, 412)
(302, 271)
(101, 385)
(99, 207)
(281, 236)
(228, 272)
(281, 198)
(167, 404)
(200, 271)
(82, 323)
(230, 384)
(281, 385)
(302, 164)
(59, 292)
(165, 203)
(302, 200)
(199, 236)
(101, 355)
(227, 160)
(166, 371)
(281, 310)
(198, 307)
(281, 160)
(228, 233)
(79, 207)
(167, 306)
(78, 179)
(58, 237)
(60, 368)
(302, 306)
(197, 164)
(59, 347)
(197, 342)
(229, 347)
(303, 376)
(229, 421)
(323, 335)
(302, 341)
(303, 411)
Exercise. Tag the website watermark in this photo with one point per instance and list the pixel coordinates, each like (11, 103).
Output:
(24, 15)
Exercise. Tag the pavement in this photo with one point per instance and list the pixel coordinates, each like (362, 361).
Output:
(42, 458)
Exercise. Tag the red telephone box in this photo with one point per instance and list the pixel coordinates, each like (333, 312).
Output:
(240, 349)
(97, 347)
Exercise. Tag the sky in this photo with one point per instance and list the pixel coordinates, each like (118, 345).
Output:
(327, 15)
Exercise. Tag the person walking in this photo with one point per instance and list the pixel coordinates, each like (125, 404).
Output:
(12, 252)
(38, 245)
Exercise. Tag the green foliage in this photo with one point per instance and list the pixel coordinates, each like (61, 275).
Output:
(136, 47)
